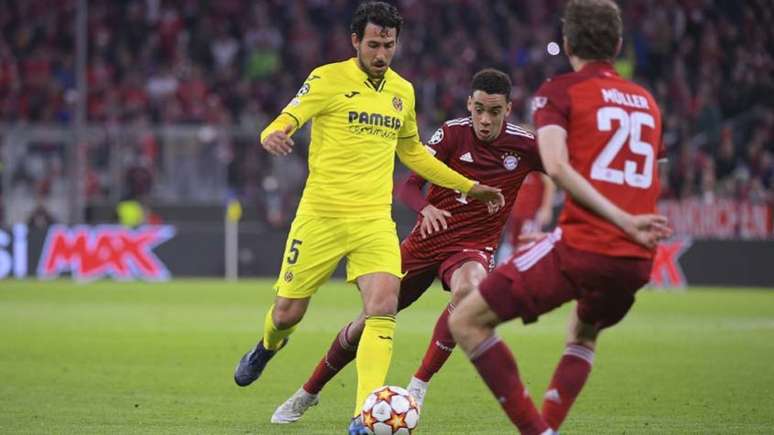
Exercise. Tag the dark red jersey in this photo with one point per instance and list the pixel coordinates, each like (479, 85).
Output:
(613, 140)
(503, 163)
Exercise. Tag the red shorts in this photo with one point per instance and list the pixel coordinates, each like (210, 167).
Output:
(420, 273)
(546, 274)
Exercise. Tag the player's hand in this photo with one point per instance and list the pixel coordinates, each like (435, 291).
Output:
(279, 143)
(492, 207)
(647, 229)
(492, 196)
(434, 220)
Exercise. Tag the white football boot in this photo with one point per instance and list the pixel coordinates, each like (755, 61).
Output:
(418, 389)
(295, 407)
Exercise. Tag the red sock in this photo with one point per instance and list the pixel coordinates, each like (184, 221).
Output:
(569, 377)
(496, 365)
(339, 355)
(440, 348)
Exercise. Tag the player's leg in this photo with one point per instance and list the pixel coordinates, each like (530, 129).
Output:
(312, 251)
(279, 322)
(374, 263)
(572, 371)
(340, 353)
(607, 288)
(344, 347)
(462, 277)
(472, 325)
(526, 286)
(374, 353)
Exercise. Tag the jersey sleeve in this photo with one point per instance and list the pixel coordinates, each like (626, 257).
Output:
(551, 105)
(312, 99)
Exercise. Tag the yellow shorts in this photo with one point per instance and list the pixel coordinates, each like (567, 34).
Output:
(315, 246)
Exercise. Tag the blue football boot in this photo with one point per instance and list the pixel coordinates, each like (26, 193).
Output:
(356, 427)
(252, 363)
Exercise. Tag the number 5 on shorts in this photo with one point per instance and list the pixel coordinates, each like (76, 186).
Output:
(293, 257)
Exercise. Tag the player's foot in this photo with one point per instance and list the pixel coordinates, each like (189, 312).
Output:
(549, 431)
(356, 427)
(252, 363)
(295, 407)
(418, 388)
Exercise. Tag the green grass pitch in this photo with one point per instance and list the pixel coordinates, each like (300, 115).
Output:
(158, 358)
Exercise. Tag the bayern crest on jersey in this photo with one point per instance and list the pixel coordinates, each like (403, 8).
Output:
(437, 137)
(510, 162)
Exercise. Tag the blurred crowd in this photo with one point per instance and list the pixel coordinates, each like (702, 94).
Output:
(233, 64)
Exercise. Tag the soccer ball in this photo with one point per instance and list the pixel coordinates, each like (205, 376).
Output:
(390, 410)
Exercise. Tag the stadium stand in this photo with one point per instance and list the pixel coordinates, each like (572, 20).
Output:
(167, 74)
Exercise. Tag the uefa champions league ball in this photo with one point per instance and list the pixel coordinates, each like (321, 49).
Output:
(390, 410)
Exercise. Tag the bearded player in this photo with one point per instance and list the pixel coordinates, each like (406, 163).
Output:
(363, 115)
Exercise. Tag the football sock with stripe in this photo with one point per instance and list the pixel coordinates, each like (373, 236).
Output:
(373, 356)
(568, 380)
(272, 337)
(496, 365)
(441, 346)
(340, 353)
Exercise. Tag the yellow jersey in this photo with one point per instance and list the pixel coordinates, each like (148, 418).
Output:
(357, 128)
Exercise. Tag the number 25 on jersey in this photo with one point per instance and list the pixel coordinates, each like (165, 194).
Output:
(629, 132)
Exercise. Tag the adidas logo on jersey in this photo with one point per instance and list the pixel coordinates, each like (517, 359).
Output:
(467, 158)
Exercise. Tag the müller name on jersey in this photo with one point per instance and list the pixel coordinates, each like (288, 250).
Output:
(618, 97)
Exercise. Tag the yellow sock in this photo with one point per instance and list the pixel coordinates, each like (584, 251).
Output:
(373, 356)
(272, 337)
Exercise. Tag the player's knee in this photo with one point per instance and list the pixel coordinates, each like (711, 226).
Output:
(383, 306)
(462, 290)
(286, 319)
(465, 280)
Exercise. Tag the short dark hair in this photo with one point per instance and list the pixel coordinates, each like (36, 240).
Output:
(492, 81)
(592, 28)
(378, 13)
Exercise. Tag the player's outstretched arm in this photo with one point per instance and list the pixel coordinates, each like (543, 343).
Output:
(647, 230)
(416, 157)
